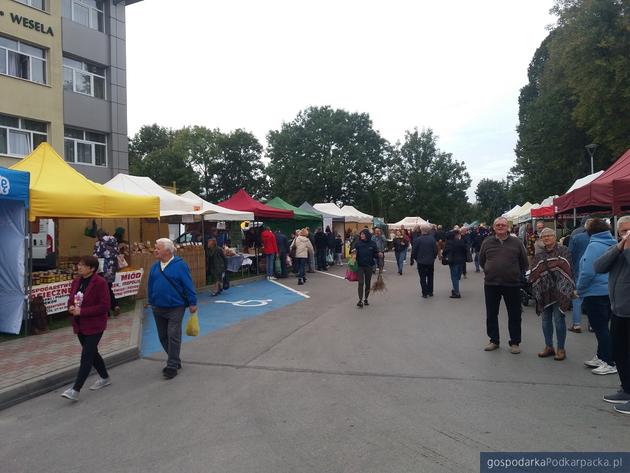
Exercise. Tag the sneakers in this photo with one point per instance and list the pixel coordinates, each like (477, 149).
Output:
(100, 383)
(455, 296)
(623, 408)
(548, 351)
(561, 354)
(70, 394)
(594, 362)
(604, 369)
(365, 302)
(491, 346)
(300, 282)
(620, 397)
(515, 349)
(169, 373)
(360, 304)
(575, 329)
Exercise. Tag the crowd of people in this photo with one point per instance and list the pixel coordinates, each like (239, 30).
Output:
(587, 271)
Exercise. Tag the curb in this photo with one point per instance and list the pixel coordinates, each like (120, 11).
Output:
(55, 379)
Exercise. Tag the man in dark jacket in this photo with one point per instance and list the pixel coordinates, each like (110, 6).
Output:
(330, 239)
(504, 261)
(424, 252)
(283, 251)
(321, 245)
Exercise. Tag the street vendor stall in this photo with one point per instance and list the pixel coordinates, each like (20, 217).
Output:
(14, 201)
(301, 218)
(58, 190)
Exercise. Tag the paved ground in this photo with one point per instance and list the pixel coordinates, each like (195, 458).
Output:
(321, 386)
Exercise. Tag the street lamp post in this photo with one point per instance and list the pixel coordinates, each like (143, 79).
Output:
(591, 152)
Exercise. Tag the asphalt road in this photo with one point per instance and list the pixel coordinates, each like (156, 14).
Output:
(322, 386)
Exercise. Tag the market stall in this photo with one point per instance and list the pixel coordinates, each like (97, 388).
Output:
(59, 191)
(301, 218)
(335, 222)
(338, 217)
(408, 222)
(14, 202)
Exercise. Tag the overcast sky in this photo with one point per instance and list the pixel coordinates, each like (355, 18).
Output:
(454, 66)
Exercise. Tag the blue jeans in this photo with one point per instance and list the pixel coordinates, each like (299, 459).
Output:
(270, 259)
(456, 274)
(552, 316)
(300, 263)
(598, 311)
(577, 311)
(400, 260)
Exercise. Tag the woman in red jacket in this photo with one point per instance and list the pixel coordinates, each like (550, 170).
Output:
(89, 305)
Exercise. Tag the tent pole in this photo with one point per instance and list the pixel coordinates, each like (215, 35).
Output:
(28, 276)
(574, 218)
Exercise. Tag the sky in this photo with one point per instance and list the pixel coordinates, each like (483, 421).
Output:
(453, 66)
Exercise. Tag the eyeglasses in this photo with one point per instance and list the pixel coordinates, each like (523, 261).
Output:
(500, 225)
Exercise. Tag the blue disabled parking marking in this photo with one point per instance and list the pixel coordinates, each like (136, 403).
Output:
(228, 308)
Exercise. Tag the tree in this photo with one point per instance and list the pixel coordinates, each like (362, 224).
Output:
(431, 183)
(327, 155)
(153, 153)
(242, 166)
(492, 199)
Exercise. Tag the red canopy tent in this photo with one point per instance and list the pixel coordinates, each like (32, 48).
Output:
(244, 202)
(545, 211)
(600, 194)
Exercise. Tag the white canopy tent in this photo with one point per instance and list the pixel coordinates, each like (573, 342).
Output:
(216, 213)
(170, 204)
(582, 181)
(524, 213)
(407, 222)
(330, 209)
(356, 216)
(510, 214)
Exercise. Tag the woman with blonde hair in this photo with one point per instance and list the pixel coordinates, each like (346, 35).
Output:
(303, 251)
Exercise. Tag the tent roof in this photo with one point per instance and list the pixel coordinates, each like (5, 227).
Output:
(354, 215)
(58, 190)
(330, 210)
(241, 200)
(216, 213)
(513, 211)
(598, 193)
(299, 214)
(14, 185)
(582, 181)
(170, 204)
(408, 222)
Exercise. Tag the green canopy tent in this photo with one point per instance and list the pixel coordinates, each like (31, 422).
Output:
(301, 218)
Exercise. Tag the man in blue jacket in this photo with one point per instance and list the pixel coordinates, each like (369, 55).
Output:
(171, 290)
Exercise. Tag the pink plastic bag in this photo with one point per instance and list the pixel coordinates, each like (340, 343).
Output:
(351, 275)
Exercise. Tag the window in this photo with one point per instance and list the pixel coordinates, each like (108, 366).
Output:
(39, 4)
(85, 147)
(19, 136)
(86, 12)
(22, 60)
(83, 78)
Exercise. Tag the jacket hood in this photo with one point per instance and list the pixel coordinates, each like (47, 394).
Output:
(367, 233)
(604, 237)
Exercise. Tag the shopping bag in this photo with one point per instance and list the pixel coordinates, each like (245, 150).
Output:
(351, 275)
(122, 262)
(330, 259)
(192, 326)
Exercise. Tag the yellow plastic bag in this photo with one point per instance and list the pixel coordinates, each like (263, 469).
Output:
(192, 326)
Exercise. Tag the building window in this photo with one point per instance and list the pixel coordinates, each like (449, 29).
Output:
(39, 4)
(86, 12)
(83, 78)
(85, 147)
(20, 136)
(22, 60)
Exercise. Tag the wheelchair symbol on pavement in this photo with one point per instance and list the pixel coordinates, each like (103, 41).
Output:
(247, 303)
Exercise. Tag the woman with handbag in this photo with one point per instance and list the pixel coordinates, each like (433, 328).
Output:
(88, 305)
(454, 255)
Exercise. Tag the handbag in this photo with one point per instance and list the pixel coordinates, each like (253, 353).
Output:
(122, 262)
(192, 326)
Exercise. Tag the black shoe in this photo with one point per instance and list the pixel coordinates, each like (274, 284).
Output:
(169, 373)
(300, 282)
(360, 304)
(365, 302)
(455, 296)
(431, 295)
(400, 272)
(424, 296)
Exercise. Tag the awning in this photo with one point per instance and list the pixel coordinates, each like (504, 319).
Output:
(354, 215)
(241, 200)
(216, 213)
(14, 185)
(299, 214)
(408, 222)
(58, 190)
(170, 204)
(330, 210)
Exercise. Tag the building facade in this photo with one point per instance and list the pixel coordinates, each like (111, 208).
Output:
(63, 80)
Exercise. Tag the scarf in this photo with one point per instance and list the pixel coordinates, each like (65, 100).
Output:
(552, 279)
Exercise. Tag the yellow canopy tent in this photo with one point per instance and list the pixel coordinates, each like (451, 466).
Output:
(57, 190)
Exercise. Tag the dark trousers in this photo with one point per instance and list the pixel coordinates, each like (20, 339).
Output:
(89, 357)
(283, 265)
(425, 271)
(112, 298)
(512, 297)
(598, 311)
(620, 333)
(300, 265)
(321, 259)
(364, 274)
(169, 327)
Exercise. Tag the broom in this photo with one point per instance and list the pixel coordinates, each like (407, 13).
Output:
(379, 285)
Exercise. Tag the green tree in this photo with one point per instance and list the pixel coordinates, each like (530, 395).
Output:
(328, 155)
(153, 153)
(492, 199)
(432, 183)
(242, 166)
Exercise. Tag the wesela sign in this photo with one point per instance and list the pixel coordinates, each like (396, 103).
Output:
(5, 185)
